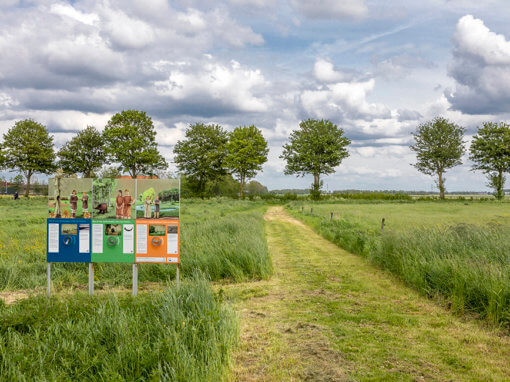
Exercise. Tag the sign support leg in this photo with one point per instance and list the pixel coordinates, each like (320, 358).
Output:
(48, 280)
(177, 275)
(91, 279)
(135, 279)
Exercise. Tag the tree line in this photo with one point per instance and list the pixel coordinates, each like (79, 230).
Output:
(209, 156)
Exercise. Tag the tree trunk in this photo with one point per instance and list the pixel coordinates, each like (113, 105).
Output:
(499, 186)
(316, 192)
(133, 172)
(440, 183)
(27, 188)
(241, 184)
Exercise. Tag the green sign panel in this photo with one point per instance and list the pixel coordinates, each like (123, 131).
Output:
(113, 241)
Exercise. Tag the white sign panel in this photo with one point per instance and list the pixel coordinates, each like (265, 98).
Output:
(53, 237)
(97, 238)
(141, 238)
(129, 238)
(84, 238)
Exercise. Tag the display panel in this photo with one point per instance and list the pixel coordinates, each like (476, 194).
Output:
(68, 240)
(157, 243)
(113, 241)
(69, 198)
(114, 198)
(157, 198)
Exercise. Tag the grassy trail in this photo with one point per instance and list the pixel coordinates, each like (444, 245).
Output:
(328, 315)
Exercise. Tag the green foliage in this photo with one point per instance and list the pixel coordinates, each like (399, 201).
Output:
(224, 185)
(316, 148)
(150, 192)
(255, 188)
(490, 152)
(169, 195)
(246, 153)
(84, 153)
(200, 156)
(181, 334)
(29, 149)
(438, 146)
(130, 140)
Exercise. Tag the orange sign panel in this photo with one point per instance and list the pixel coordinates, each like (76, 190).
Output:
(157, 241)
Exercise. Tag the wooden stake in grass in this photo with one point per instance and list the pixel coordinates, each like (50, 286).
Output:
(331, 217)
(382, 224)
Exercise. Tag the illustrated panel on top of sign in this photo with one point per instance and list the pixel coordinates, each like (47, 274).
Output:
(69, 198)
(157, 241)
(113, 240)
(68, 240)
(114, 198)
(157, 199)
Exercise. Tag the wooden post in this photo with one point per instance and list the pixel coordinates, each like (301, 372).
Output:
(382, 224)
(302, 209)
(331, 217)
(177, 281)
(48, 281)
(91, 279)
(311, 210)
(135, 279)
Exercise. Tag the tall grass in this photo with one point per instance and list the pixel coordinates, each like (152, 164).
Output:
(182, 334)
(223, 238)
(466, 264)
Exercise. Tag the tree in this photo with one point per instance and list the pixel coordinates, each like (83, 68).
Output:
(84, 153)
(316, 148)
(130, 140)
(490, 152)
(29, 150)
(200, 156)
(438, 146)
(246, 153)
(256, 188)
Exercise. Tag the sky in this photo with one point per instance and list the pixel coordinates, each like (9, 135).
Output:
(375, 68)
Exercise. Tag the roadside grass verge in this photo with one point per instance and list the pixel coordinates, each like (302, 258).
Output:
(181, 334)
(467, 265)
(222, 238)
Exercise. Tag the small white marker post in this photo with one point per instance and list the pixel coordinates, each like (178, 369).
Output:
(48, 280)
(135, 279)
(91, 279)
(177, 276)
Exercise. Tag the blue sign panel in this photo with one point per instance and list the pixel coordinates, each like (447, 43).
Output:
(68, 240)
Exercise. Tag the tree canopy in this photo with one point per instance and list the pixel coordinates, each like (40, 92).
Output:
(246, 153)
(200, 155)
(490, 153)
(316, 148)
(29, 149)
(131, 141)
(438, 146)
(84, 153)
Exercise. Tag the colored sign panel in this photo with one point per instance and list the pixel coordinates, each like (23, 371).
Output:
(69, 198)
(68, 240)
(157, 241)
(157, 198)
(114, 198)
(113, 241)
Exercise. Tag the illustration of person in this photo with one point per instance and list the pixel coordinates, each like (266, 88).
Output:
(128, 200)
(119, 201)
(58, 214)
(85, 203)
(73, 202)
(156, 206)
(147, 204)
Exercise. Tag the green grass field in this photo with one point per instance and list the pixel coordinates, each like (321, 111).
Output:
(458, 251)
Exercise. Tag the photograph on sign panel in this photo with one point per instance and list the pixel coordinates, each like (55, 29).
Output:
(172, 228)
(113, 229)
(156, 230)
(114, 198)
(157, 198)
(69, 197)
(69, 229)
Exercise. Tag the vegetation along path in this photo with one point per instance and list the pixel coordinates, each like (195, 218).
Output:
(328, 315)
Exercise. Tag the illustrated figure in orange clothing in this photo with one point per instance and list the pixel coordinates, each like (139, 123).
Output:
(128, 200)
(119, 204)
(156, 207)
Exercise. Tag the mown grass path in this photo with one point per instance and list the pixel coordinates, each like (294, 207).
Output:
(328, 315)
